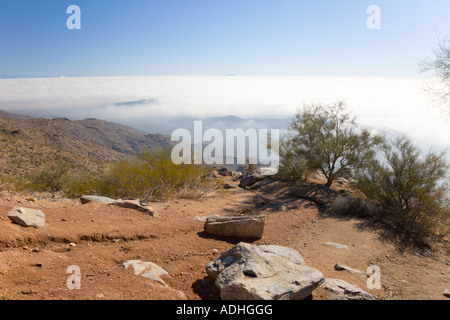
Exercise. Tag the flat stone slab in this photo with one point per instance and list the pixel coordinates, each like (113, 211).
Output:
(336, 245)
(342, 267)
(137, 205)
(343, 290)
(27, 217)
(148, 270)
(203, 219)
(245, 227)
(88, 199)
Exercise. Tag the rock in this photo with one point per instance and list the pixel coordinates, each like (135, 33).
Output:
(337, 245)
(245, 227)
(250, 179)
(342, 180)
(446, 293)
(225, 172)
(88, 199)
(229, 186)
(137, 205)
(343, 290)
(27, 217)
(281, 207)
(30, 199)
(318, 175)
(250, 272)
(147, 270)
(237, 175)
(203, 219)
(341, 267)
(267, 171)
(258, 184)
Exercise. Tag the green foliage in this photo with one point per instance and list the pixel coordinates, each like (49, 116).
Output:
(154, 175)
(327, 139)
(51, 178)
(77, 185)
(439, 68)
(293, 166)
(411, 186)
(148, 176)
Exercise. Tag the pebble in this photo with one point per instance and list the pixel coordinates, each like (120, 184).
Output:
(72, 244)
(446, 293)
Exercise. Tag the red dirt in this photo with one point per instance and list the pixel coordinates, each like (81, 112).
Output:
(34, 262)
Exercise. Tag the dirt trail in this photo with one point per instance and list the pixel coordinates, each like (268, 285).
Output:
(34, 262)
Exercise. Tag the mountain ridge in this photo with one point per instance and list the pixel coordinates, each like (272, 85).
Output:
(89, 145)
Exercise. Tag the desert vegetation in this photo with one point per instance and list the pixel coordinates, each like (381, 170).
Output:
(148, 176)
(438, 66)
(400, 187)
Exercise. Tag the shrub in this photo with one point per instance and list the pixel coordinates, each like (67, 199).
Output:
(154, 176)
(411, 186)
(51, 178)
(292, 165)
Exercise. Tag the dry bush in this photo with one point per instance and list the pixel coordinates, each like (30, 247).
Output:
(411, 186)
(153, 176)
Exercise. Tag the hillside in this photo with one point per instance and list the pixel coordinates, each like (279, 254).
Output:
(33, 261)
(28, 143)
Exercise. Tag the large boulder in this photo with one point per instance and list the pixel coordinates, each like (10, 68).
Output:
(250, 272)
(245, 227)
(27, 217)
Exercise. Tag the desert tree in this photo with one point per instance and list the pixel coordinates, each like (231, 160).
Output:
(439, 67)
(328, 139)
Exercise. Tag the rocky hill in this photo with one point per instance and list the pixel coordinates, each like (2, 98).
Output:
(28, 143)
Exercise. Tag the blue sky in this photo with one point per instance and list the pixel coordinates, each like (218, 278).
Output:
(215, 37)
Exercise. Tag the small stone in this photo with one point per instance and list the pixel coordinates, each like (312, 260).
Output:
(336, 245)
(72, 244)
(446, 293)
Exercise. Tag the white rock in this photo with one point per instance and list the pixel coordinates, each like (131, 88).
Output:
(343, 290)
(147, 270)
(27, 217)
(337, 245)
(87, 199)
(249, 272)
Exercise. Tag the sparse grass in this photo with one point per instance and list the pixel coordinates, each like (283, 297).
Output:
(148, 176)
(154, 176)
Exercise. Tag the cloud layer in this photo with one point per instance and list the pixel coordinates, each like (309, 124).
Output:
(393, 103)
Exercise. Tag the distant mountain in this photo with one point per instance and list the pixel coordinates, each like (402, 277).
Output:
(27, 144)
(168, 125)
(9, 115)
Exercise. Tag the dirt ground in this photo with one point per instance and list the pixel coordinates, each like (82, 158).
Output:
(34, 262)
